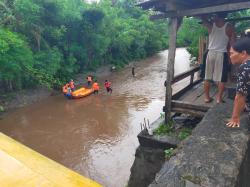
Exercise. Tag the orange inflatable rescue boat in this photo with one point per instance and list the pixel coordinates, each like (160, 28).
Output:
(79, 93)
(82, 92)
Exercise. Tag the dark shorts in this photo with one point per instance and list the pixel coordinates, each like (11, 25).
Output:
(68, 95)
(109, 89)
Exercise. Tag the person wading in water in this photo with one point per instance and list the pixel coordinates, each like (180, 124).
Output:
(89, 80)
(133, 71)
(95, 87)
(107, 85)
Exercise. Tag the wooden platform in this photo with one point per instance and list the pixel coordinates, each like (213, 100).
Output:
(192, 102)
(23, 167)
(196, 95)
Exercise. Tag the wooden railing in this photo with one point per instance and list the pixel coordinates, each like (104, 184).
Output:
(185, 74)
(182, 76)
(182, 107)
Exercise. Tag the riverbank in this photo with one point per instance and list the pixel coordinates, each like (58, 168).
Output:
(18, 99)
(11, 101)
(14, 100)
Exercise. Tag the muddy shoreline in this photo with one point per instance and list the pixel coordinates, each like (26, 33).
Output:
(14, 100)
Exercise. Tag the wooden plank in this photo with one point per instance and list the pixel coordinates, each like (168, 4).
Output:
(186, 4)
(149, 4)
(196, 95)
(214, 9)
(191, 106)
(213, 91)
(188, 111)
(185, 90)
(193, 94)
(170, 66)
(206, 10)
(234, 19)
(185, 74)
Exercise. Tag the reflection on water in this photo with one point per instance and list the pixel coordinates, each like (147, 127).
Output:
(96, 135)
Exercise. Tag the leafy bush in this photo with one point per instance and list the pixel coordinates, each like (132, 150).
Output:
(169, 152)
(185, 38)
(184, 133)
(164, 129)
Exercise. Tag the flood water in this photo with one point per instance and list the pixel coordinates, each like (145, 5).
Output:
(96, 136)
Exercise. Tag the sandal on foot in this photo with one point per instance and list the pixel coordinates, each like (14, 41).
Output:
(218, 101)
(208, 100)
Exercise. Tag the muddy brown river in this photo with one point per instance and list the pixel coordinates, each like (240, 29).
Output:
(96, 135)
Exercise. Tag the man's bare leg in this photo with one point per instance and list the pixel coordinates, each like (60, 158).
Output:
(221, 88)
(208, 99)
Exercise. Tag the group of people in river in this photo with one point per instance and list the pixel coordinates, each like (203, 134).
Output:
(94, 85)
(222, 41)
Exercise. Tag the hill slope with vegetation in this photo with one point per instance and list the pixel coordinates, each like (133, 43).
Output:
(47, 42)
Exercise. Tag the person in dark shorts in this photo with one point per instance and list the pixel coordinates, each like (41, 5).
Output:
(221, 35)
(107, 85)
(133, 71)
(240, 54)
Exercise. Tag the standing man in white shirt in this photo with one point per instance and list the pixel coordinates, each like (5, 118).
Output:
(221, 37)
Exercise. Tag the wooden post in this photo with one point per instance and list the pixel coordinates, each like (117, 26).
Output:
(173, 24)
(191, 79)
(200, 55)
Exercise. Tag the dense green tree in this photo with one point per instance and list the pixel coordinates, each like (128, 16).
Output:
(15, 54)
(52, 40)
(241, 26)
(189, 33)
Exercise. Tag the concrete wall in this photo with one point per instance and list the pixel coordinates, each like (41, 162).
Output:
(147, 163)
(213, 156)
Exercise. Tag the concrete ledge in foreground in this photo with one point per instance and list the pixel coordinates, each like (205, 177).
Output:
(213, 156)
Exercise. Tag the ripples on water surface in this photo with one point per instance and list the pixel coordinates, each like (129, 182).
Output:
(96, 135)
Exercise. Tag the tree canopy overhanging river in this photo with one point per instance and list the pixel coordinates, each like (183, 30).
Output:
(97, 136)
